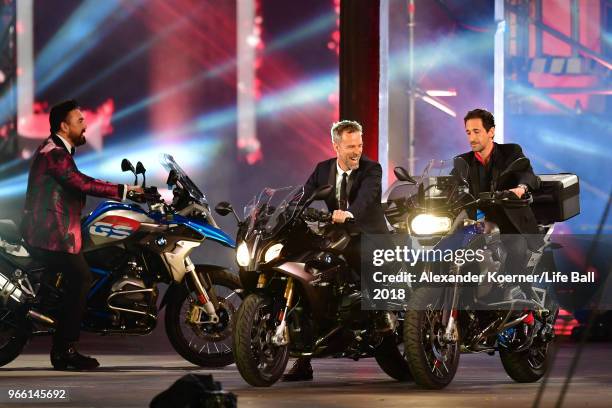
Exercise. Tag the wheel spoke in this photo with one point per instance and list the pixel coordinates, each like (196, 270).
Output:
(445, 367)
(199, 335)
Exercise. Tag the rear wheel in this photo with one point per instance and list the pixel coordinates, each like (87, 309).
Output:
(205, 344)
(526, 366)
(260, 362)
(530, 365)
(433, 361)
(13, 335)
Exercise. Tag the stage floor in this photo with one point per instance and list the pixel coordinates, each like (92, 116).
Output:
(132, 380)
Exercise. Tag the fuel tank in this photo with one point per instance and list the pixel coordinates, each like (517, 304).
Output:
(112, 222)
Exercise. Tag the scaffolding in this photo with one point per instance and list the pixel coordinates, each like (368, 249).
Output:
(554, 57)
(8, 80)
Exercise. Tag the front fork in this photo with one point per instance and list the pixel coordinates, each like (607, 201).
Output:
(204, 304)
(281, 335)
(450, 333)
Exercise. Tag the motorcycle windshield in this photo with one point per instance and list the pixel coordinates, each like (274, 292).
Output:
(439, 186)
(168, 162)
(272, 209)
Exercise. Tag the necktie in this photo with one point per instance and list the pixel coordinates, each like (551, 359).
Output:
(343, 198)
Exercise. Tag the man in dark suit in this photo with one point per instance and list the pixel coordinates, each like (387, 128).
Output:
(51, 224)
(486, 162)
(356, 180)
(357, 194)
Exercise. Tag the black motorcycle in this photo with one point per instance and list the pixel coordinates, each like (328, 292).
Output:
(302, 298)
(444, 319)
(130, 251)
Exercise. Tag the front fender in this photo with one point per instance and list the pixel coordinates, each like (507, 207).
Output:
(302, 278)
(204, 272)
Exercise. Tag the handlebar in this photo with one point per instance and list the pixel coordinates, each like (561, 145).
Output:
(312, 214)
(502, 198)
(505, 198)
(150, 195)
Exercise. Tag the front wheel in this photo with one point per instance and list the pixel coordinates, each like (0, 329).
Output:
(204, 344)
(391, 357)
(13, 335)
(260, 362)
(432, 359)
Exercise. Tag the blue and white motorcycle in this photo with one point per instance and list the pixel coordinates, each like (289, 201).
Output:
(131, 250)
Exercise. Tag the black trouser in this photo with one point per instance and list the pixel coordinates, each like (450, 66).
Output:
(515, 245)
(517, 255)
(516, 248)
(76, 281)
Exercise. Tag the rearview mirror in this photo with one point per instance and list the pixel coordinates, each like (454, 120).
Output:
(322, 192)
(461, 170)
(126, 165)
(140, 169)
(402, 175)
(223, 208)
(520, 164)
(172, 178)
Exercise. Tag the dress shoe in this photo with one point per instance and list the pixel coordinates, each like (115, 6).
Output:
(300, 371)
(68, 358)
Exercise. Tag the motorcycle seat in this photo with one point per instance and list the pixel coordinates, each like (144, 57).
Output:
(26, 264)
(9, 232)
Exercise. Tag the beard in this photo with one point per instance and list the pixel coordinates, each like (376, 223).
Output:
(79, 139)
(349, 163)
(477, 147)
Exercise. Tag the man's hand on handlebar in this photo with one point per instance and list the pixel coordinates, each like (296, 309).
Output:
(340, 217)
(136, 189)
(136, 193)
(519, 191)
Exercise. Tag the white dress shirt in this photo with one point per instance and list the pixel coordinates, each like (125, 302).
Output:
(66, 143)
(339, 173)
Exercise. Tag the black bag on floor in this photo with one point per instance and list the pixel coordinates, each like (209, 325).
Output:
(195, 391)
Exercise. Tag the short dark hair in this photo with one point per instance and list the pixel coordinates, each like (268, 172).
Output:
(488, 121)
(59, 113)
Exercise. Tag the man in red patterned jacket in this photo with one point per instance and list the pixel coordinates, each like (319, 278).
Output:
(51, 224)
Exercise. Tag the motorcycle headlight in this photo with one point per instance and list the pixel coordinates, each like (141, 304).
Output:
(273, 252)
(243, 257)
(428, 224)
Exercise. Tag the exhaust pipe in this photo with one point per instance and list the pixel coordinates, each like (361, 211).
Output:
(34, 315)
(11, 291)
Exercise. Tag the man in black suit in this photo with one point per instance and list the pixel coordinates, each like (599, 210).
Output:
(357, 194)
(486, 162)
(356, 180)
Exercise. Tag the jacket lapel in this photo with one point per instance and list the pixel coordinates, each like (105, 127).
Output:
(350, 183)
(331, 179)
(474, 176)
(496, 161)
(59, 142)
